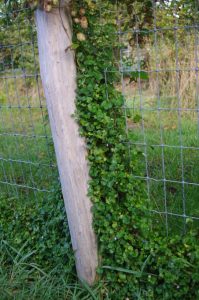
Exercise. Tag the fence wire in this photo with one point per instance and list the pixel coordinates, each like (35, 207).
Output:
(158, 67)
(27, 162)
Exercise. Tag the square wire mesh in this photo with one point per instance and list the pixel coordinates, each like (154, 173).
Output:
(158, 66)
(27, 161)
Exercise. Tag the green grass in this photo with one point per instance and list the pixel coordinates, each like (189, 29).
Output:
(26, 148)
(172, 162)
(22, 280)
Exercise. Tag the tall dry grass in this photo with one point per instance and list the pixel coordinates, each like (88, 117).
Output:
(172, 64)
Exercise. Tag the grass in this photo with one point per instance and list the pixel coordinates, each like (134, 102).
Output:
(26, 148)
(167, 136)
(169, 143)
(22, 279)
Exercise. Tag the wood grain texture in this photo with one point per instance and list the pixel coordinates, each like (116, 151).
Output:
(58, 74)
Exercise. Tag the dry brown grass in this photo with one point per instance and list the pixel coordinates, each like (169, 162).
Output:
(176, 77)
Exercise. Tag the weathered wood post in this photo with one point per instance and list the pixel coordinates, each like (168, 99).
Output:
(58, 74)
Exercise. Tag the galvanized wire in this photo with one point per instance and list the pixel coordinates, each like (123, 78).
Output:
(168, 167)
(27, 161)
(170, 156)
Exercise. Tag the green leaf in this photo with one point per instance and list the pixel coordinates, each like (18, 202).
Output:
(74, 46)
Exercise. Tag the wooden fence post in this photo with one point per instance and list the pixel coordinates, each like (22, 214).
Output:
(58, 74)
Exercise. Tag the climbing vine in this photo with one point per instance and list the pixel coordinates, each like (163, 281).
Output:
(136, 262)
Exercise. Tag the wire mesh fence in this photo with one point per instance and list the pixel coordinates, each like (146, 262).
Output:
(27, 162)
(158, 67)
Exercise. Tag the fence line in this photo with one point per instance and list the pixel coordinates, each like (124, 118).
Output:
(158, 67)
(161, 117)
(27, 162)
